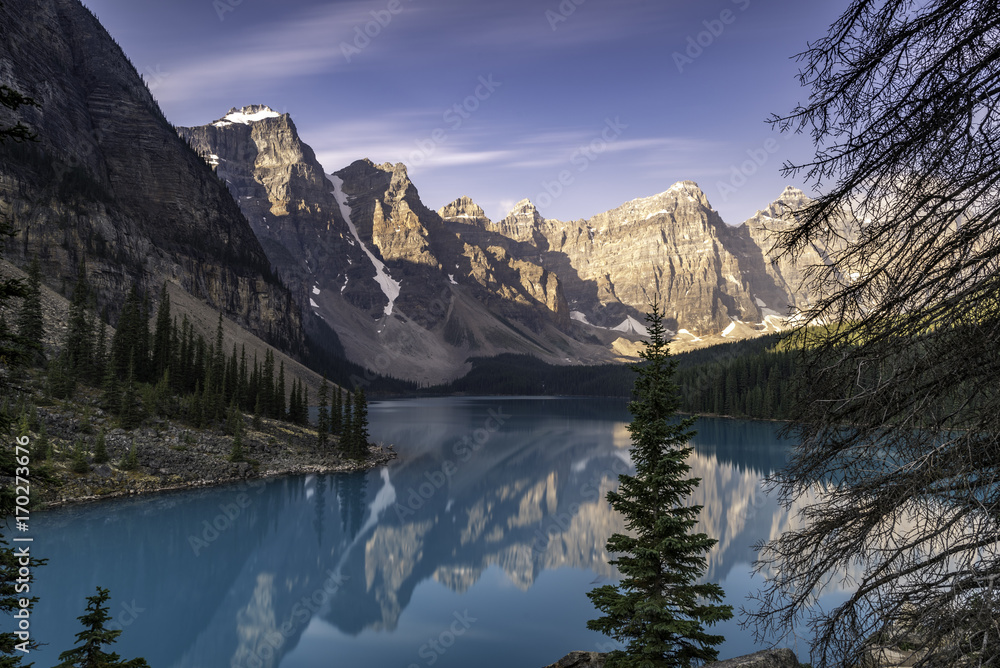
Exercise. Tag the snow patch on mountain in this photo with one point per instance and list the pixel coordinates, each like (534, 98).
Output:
(246, 116)
(631, 326)
(390, 288)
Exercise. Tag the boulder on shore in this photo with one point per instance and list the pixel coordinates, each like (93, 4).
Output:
(768, 658)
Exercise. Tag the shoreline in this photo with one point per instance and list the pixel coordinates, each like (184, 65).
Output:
(382, 456)
(165, 456)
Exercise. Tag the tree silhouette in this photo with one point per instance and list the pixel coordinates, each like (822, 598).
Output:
(899, 424)
(94, 637)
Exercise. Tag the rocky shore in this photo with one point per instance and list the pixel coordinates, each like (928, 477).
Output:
(169, 455)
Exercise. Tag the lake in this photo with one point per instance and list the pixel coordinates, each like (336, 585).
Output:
(476, 547)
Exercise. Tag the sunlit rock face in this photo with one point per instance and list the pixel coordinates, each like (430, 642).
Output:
(415, 292)
(109, 184)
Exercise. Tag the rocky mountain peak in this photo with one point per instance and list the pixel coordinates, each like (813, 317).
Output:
(463, 208)
(247, 115)
(524, 213)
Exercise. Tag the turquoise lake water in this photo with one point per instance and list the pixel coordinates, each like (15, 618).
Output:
(476, 547)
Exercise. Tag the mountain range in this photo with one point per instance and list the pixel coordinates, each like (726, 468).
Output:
(415, 292)
(239, 216)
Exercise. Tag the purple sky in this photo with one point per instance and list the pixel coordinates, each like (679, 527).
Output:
(578, 105)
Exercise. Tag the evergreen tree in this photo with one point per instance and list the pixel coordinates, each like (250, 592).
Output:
(323, 416)
(101, 448)
(659, 609)
(130, 411)
(242, 382)
(268, 404)
(336, 416)
(79, 464)
(236, 454)
(232, 377)
(124, 344)
(61, 381)
(359, 424)
(79, 333)
(280, 393)
(216, 374)
(143, 368)
(256, 413)
(41, 450)
(161, 336)
(347, 435)
(130, 458)
(30, 326)
(89, 653)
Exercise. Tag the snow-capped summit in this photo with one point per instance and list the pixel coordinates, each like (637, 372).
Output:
(247, 115)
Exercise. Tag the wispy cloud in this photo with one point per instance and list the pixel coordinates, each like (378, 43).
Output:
(307, 43)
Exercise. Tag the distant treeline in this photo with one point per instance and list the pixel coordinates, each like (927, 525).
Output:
(751, 378)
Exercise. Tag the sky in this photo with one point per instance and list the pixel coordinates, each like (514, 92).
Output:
(577, 105)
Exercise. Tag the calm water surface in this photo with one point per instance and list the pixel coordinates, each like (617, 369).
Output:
(476, 547)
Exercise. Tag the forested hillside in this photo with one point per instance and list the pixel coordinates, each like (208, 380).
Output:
(751, 378)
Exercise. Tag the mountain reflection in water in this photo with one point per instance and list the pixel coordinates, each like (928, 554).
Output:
(477, 546)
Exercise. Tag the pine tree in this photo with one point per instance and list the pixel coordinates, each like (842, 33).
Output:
(130, 458)
(101, 448)
(242, 381)
(130, 412)
(280, 393)
(79, 333)
(236, 419)
(323, 416)
(61, 381)
(256, 413)
(359, 425)
(217, 373)
(89, 653)
(79, 464)
(268, 405)
(41, 449)
(347, 434)
(336, 416)
(124, 342)
(658, 608)
(305, 405)
(161, 336)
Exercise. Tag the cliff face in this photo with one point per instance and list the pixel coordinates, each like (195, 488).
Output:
(668, 247)
(110, 183)
(414, 292)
